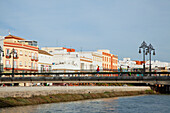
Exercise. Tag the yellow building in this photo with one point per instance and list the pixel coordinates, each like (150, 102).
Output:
(25, 55)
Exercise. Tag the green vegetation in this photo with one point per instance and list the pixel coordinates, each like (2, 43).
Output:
(21, 101)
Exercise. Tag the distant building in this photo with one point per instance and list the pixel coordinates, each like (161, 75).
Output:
(90, 61)
(1, 57)
(45, 61)
(26, 59)
(128, 65)
(65, 59)
(57, 50)
(109, 61)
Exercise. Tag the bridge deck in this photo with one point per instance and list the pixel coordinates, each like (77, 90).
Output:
(89, 79)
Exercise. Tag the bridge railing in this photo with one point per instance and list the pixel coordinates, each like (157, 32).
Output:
(74, 74)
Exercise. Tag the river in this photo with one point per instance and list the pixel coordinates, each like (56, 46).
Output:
(129, 104)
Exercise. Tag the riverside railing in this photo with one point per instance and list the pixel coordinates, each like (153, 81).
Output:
(52, 74)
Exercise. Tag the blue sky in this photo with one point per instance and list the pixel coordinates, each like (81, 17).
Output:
(118, 25)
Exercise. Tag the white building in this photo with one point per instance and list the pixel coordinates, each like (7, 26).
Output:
(44, 61)
(69, 62)
(128, 64)
(90, 60)
(1, 57)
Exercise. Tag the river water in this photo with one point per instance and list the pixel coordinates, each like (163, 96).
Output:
(130, 104)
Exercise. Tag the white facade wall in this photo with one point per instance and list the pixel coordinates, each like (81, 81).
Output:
(97, 60)
(45, 62)
(132, 64)
(94, 57)
(1, 57)
(69, 62)
(86, 61)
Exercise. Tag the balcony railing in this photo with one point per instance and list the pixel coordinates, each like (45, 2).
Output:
(32, 58)
(7, 55)
(36, 59)
(8, 66)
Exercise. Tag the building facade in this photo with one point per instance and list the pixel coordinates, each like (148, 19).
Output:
(21, 54)
(109, 61)
(90, 61)
(44, 61)
(57, 50)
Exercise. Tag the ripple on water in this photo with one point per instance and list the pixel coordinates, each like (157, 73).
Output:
(132, 104)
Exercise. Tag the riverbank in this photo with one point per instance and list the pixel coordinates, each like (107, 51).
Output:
(50, 90)
(71, 94)
(22, 101)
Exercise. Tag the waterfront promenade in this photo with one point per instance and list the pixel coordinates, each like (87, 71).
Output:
(47, 90)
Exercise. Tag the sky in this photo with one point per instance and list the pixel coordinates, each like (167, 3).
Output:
(88, 25)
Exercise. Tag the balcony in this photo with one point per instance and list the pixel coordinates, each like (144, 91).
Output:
(36, 59)
(16, 57)
(32, 58)
(7, 66)
(8, 56)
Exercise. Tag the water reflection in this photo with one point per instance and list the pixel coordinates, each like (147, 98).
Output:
(139, 104)
(92, 106)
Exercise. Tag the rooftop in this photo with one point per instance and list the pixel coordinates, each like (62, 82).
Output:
(44, 52)
(13, 37)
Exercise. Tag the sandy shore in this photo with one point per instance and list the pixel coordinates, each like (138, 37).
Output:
(48, 90)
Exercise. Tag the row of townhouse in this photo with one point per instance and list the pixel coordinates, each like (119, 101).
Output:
(67, 60)
(25, 56)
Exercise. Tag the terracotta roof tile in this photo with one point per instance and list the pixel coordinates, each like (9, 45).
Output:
(15, 37)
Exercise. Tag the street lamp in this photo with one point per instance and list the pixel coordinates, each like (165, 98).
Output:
(1, 55)
(149, 49)
(144, 47)
(13, 52)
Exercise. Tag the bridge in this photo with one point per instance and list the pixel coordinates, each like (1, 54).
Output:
(159, 81)
(89, 73)
(93, 77)
(164, 80)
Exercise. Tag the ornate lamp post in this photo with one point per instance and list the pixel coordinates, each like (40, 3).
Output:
(149, 49)
(13, 53)
(144, 47)
(1, 55)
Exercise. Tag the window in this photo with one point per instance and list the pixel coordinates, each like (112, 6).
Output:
(7, 52)
(15, 55)
(25, 63)
(8, 64)
(82, 65)
(42, 68)
(20, 63)
(36, 56)
(50, 68)
(32, 66)
(20, 52)
(32, 55)
(91, 66)
(35, 66)
(15, 64)
(25, 53)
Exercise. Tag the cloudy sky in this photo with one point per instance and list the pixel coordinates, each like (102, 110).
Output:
(118, 25)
